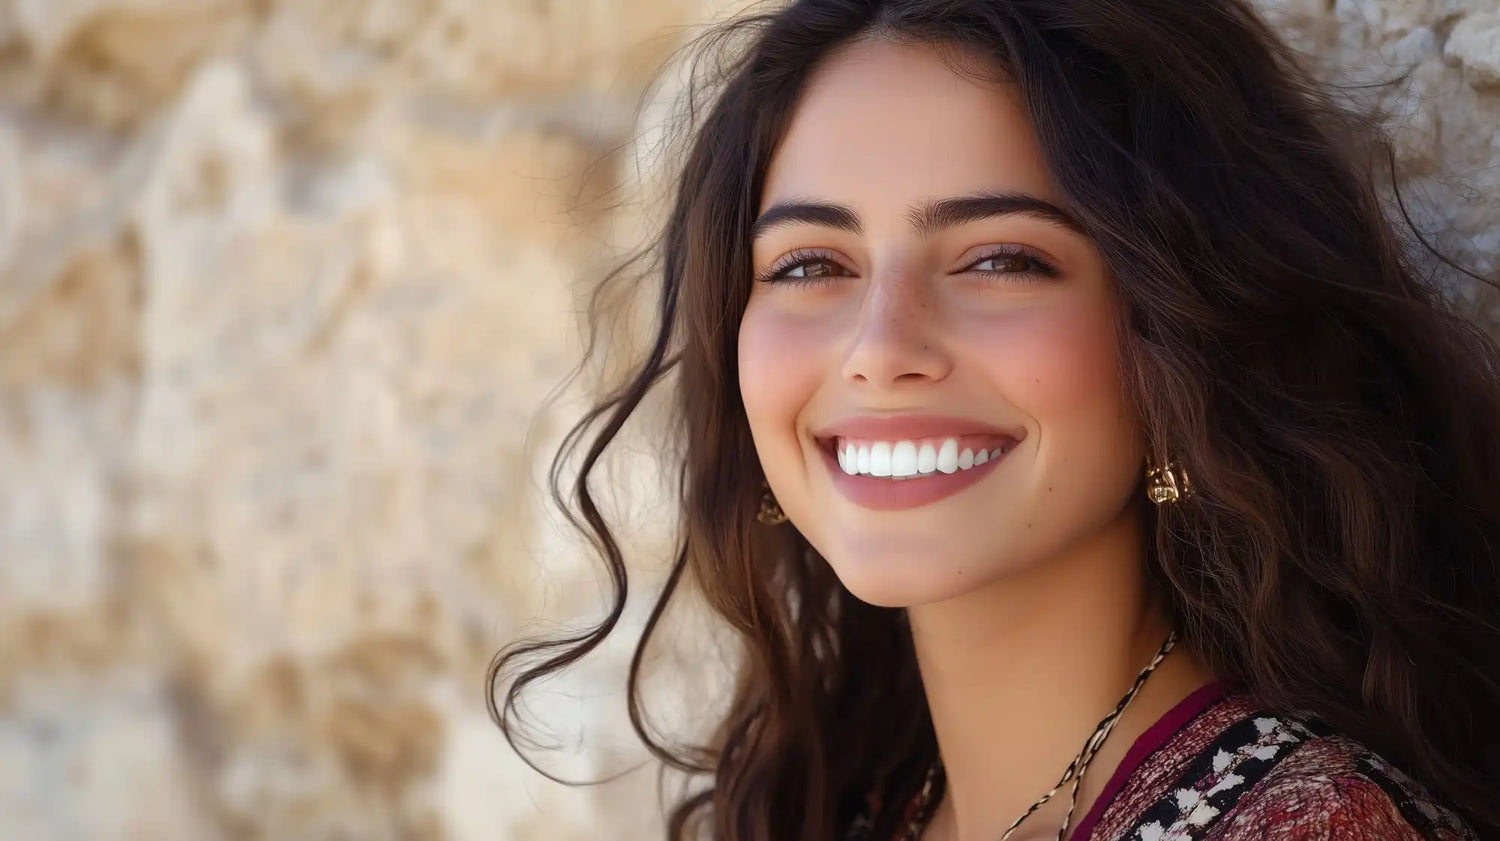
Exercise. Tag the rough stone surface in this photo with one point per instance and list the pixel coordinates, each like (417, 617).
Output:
(283, 287)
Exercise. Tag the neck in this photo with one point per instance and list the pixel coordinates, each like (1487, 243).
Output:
(1018, 674)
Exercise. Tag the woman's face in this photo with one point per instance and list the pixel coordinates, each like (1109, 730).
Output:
(923, 329)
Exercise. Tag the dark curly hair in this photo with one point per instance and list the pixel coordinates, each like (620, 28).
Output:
(1335, 410)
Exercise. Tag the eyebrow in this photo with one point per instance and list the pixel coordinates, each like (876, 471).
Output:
(926, 217)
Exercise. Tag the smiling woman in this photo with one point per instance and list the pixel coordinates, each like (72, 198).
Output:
(922, 315)
(1070, 440)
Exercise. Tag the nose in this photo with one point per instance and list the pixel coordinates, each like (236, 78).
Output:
(897, 336)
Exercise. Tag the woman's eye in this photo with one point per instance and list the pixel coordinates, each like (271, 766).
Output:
(1014, 263)
(1003, 263)
(803, 268)
(810, 268)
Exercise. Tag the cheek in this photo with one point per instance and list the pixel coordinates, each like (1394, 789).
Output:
(1064, 360)
(1060, 365)
(779, 357)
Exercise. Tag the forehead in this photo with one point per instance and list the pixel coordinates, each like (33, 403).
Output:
(882, 125)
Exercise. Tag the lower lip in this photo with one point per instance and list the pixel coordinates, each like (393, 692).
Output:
(883, 494)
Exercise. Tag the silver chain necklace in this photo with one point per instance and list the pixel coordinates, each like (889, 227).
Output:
(1075, 770)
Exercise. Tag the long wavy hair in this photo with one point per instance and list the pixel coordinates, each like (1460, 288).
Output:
(1295, 348)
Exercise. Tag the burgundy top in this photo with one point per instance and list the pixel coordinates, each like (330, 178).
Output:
(1220, 767)
(1146, 744)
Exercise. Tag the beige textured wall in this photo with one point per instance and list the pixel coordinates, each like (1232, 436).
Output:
(283, 284)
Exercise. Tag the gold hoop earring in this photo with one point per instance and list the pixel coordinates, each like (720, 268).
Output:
(1167, 483)
(770, 511)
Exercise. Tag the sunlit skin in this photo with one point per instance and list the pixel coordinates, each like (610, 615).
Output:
(1026, 591)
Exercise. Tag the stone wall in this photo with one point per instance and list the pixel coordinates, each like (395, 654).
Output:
(283, 287)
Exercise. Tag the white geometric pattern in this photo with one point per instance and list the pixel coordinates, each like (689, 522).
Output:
(1229, 782)
(1222, 759)
(1194, 808)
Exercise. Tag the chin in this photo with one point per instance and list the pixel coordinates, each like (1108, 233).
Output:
(882, 586)
(882, 596)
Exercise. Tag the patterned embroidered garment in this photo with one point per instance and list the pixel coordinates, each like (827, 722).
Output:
(1217, 767)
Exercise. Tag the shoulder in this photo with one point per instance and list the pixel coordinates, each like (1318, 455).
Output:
(1328, 786)
(1235, 771)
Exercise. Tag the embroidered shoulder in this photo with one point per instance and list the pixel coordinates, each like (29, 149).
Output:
(1239, 753)
(1267, 776)
(1331, 787)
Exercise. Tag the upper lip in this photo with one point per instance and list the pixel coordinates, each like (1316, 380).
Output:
(909, 427)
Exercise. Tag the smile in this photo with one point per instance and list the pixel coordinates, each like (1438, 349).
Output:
(915, 459)
(892, 475)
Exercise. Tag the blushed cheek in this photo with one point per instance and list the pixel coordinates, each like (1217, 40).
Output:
(779, 357)
(1059, 364)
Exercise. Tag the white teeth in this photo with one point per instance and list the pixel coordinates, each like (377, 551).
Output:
(947, 460)
(900, 460)
(926, 458)
(904, 459)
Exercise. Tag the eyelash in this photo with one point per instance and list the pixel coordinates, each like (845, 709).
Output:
(803, 257)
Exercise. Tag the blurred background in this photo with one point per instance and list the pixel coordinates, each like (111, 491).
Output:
(284, 288)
